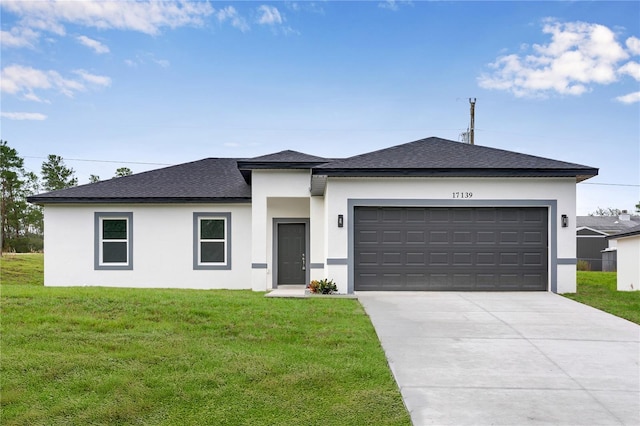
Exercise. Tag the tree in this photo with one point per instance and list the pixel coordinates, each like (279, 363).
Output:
(638, 207)
(21, 221)
(11, 205)
(123, 171)
(56, 175)
(606, 212)
(94, 178)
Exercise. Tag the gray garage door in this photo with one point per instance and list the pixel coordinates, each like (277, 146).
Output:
(473, 249)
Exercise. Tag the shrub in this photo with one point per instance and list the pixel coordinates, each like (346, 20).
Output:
(584, 265)
(324, 286)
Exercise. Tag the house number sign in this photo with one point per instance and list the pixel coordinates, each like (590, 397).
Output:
(462, 194)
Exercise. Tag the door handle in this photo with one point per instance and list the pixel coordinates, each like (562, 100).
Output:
(304, 264)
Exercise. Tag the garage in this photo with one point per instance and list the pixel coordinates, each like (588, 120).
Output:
(451, 248)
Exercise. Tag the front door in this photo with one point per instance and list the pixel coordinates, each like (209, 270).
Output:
(291, 253)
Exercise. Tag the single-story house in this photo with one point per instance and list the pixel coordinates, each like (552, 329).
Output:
(591, 233)
(628, 248)
(432, 214)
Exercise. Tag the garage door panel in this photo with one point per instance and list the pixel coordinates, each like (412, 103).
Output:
(451, 249)
(438, 237)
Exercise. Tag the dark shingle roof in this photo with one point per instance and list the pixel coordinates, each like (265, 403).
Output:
(208, 180)
(607, 224)
(441, 157)
(280, 160)
(287, 156)
(628, 233)
(228, 179)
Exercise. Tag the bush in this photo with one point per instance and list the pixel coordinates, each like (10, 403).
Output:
(323, 287)
(584, 265)
(30, 243)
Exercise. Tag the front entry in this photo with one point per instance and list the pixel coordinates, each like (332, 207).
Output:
(291, 254)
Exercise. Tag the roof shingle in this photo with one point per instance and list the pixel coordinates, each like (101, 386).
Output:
(435, 154)
(208, 180)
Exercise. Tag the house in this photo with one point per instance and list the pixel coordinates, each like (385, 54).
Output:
(591, 238)
(432, 214)
(628, 248)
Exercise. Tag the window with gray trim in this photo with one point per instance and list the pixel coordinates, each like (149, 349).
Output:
(211, 241)
(113, 240)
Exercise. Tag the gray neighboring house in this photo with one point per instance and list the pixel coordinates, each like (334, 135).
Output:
(591, 235)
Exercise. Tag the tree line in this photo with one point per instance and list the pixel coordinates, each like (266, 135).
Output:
(22, 222)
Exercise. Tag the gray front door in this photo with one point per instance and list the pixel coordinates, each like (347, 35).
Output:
(291, 253)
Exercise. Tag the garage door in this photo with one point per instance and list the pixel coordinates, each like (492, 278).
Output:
(472, 249)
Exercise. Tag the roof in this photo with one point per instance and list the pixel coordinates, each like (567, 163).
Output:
(280, 160)
(441, 157)
(287, 156)
(631, 232)
(208, 180)
(229, 179)
(607, 224)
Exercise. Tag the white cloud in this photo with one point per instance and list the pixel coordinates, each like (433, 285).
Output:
(269, 15)
(24, 81)
(34, 98)
(143, 16)
(19, 37)
(162, 62)
(579, 55)
(94, 79)
(388, 4)
(633, 44)
(93, 44)
(393, 4)
(144, 58)
(230, 13)
(631, 68)
(23, 116)
(630, 98)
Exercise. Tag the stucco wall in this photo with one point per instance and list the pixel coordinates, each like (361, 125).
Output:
(162, 247)
(629, 263)
(560, 194)
(275, 194)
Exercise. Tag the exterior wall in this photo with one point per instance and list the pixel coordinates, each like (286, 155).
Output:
(277, 186)
(162, 247)
(317, 245)
(628, 265)
(559, 194)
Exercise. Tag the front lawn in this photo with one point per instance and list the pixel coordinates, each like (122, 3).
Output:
(164, 357)
(598, 289)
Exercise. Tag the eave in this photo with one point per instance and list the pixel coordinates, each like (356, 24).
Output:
(138, 200)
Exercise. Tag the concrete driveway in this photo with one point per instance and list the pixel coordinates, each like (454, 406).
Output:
(508, 358)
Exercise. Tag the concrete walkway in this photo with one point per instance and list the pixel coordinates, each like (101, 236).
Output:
(508, 358)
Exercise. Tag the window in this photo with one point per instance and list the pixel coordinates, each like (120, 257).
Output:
(211, 243)
(113, 241)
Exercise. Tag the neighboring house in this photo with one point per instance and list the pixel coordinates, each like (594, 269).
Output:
(628, 248)
(432, 214)
(591, 236)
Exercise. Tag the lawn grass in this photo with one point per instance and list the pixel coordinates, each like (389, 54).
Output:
(598, 289)
(22, 269)
(164, 357)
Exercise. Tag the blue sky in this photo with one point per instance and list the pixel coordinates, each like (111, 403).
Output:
(123, 83)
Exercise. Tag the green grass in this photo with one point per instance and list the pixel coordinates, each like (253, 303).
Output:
(598, 289)
(22, 269)
(162, 357)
